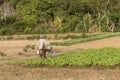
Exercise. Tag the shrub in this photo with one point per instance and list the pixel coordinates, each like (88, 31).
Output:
(2, 54)
(32, 47)
(27, 47)
(6, 31)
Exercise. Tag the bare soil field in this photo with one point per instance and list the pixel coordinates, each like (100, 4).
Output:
(15, 53)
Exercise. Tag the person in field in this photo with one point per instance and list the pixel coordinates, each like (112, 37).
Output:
(42, 46)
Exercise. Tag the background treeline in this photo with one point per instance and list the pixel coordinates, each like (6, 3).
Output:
(61, 16)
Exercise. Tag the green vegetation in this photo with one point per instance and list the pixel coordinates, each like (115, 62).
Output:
(92, 57)
(86, 39)
(61, 16)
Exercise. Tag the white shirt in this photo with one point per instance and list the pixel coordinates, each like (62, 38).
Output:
(41, 42)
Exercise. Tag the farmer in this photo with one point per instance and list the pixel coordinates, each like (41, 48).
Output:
(42, 46)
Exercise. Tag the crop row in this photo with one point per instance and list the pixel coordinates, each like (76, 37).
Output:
(97, 57)
(87, 39)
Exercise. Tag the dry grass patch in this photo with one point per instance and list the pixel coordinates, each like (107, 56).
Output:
(29, 47)
(2, 54)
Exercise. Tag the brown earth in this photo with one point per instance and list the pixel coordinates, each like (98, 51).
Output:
(14, 53)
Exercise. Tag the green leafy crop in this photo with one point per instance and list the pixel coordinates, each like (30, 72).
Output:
(97, 57)
(87, 39)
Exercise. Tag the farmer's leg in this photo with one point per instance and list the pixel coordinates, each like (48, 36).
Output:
(44, 53)
(40, 54)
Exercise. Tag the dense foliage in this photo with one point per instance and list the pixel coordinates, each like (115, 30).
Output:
(96, 57)
(49, 16)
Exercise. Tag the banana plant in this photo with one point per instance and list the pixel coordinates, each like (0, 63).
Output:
(58, 21)
(87, 20)
(84, 21)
